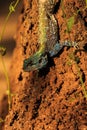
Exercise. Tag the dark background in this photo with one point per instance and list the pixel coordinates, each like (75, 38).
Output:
(11, 26)
(4, 5)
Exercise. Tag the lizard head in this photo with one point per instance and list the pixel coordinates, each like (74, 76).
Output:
(35, 62)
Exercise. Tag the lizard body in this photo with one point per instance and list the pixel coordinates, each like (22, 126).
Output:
(48, 38)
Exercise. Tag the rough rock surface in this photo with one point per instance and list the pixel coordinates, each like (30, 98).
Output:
(53, 98)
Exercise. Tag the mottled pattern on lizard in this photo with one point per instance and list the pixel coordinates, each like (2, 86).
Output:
(47, 38)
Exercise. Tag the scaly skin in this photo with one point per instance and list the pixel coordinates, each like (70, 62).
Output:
(47, 38)
(39, 59)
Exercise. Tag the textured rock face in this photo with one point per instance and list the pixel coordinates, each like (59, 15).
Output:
(53, 98)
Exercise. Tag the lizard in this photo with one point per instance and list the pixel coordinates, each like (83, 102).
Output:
(47, 38)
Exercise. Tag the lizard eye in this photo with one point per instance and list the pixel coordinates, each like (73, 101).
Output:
(30, 62)
(40, 60)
